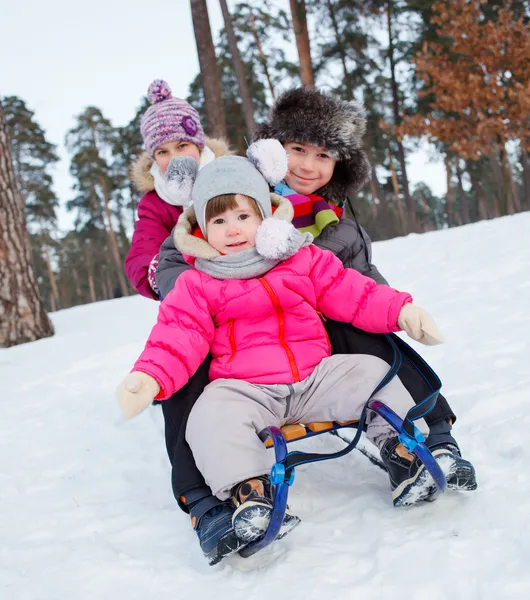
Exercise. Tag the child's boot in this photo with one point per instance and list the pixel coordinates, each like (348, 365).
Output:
(254, 509)
(411, 482)
(441, 438)
(462, 477)
(212, 520)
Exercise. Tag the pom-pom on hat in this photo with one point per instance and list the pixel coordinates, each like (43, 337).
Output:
(169, 119)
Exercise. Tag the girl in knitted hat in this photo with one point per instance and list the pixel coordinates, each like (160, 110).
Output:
(170, 127)
(253, 299)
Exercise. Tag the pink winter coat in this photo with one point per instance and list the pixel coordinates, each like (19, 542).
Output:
(156, 219)
(265, 330)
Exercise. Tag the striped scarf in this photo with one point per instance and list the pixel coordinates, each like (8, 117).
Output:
(311, 213)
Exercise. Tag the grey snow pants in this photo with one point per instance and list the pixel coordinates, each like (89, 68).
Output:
(224, 423)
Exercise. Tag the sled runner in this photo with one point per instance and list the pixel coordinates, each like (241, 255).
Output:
(283, 470)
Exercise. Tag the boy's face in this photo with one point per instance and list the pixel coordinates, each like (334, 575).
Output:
(234, 230)
(167, 151)
(310, 167)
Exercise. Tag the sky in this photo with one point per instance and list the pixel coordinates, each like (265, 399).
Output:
(61, 57)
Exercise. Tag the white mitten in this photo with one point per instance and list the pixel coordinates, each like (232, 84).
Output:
(135, 393)
(419, 325)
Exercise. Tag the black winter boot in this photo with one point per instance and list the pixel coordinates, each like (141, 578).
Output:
(411, 482)
(253, 514)
(212, 520)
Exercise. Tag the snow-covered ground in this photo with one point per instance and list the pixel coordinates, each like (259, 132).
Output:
(86, 510)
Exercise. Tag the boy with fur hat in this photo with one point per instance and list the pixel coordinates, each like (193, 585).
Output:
(253, 299)
(323, 138)
(170, 127)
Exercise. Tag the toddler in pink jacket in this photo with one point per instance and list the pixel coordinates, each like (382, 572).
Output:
(254, 301)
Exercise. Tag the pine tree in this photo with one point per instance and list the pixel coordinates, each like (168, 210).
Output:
(239, 69)
(211, 83)
(22, 314)
(128, 145)
(262, 30)
(33, 157)
(477, 84)
(238, 133)
(91, 141)
(299, 17)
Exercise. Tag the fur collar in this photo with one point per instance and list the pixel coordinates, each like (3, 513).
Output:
(192, 245)
(143, 180)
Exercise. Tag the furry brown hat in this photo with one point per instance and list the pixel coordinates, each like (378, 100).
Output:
(314, 117)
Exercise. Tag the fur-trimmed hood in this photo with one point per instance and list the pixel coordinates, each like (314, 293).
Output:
(191, 245)
(143, 180)
(314, 117)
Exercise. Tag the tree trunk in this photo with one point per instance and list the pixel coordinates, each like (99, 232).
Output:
(262, 56)
(23, 317)
(88, 262)
(104, 282)
(462, 196)
(246, 100)
(340, 46)
(112, 239)
(478, 192)
(411, 216)
(525, 163)
(395, 185)
(51, 277)
(512, 184)
(507, 188)
(77, 285)
(377, 192)
(299, 16)
(500, 200)
(449, 200)
(211, 80)
(108, 284)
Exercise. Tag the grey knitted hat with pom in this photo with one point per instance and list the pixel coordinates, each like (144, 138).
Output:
(229, 175)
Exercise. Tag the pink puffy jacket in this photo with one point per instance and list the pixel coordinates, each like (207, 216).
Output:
(265, 330)
(156, 219)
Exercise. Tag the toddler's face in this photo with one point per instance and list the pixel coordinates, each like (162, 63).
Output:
(234, 230)
(310, 167)
(165, 152)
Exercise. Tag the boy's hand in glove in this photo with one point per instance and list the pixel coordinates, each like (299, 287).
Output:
(419, 325)
(136, 392)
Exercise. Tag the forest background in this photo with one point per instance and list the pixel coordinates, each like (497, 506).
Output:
(451, 78)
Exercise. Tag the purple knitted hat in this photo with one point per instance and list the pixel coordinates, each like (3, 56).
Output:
(169, 119)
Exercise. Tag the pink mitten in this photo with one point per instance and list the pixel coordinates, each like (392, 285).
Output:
(419, 325)
(135, 393)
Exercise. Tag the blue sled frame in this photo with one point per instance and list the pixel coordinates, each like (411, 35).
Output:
(282, 479)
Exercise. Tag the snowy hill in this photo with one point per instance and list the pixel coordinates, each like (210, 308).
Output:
(86, 510)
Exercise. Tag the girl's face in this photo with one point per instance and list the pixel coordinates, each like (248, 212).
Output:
(235, 229)
(165, 152)
(310, 167)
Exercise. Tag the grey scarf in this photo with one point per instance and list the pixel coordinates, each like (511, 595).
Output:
(247, 264)
(250, 264)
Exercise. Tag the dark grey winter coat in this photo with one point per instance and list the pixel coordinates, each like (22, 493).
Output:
(347, 240)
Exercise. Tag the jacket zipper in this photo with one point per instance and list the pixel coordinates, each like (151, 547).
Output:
(232, 338)
(281, 327)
